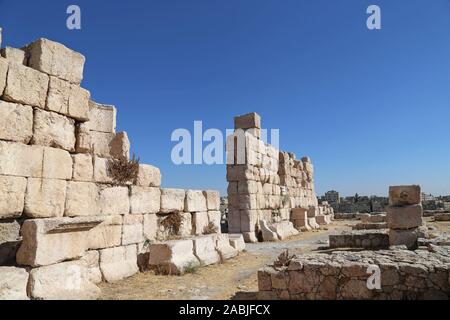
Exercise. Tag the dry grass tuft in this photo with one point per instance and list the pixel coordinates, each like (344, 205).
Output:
(123, 171)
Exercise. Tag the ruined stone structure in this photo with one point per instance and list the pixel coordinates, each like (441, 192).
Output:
(66, 221)
(265, 184)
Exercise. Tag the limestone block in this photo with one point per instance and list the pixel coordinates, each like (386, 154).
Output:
(3, 73)
(195, 201)
(205, 250)
(26, 86)
(13, 283)
(57, 164)
(212, 199)
(313, 223)
(248, 121)
(45, 198)
(200, 222)
(145, 200)
(323, 220)
(92, 261)
(101, 170)
(150, 226)
(13, 55)
(148, 176)
(102, 117)
(299, 214)
(267, 233)
(68, 99)
(49, 241)
(106, 235)
(114, 201)
(9, 241)
(57, 60)
(237, 241)
(118, 263)
(284, 229)
(232, 188)
(312, 212)
(16, 122)
(82, 199)
(120, 146)
(62, 281)
(186, 224)
(53, 130)
(12, 196)
(404, 195)
(405, 217)
(215, 218)
(250, 237)
(172, 200)
(249, 219)
(172, 257)
(234, 220)
(83, 137)
(406, 238)
(132, 231)
(224, 248)
(83, 168)
(101, 143)
(18, 159)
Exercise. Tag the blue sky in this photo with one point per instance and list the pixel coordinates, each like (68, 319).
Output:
(371, 108)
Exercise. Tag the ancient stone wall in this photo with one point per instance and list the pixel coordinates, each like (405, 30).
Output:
(265, 184)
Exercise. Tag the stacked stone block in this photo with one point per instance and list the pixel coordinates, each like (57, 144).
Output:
(404, 215)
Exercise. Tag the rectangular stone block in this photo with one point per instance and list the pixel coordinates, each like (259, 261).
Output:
(215, 217)
(144, 200)
(106, 235)
(56, 59)
(83, 168)
(299, 214)
(406, 238)
(53, 130)
(195, 201)
(12, 196)
(101, 170)
(45, 198)
(404, 195)
(118, 263)
(248, 121)
(3, 73)
(13, 283)
(172, 200)
(224, 248)
(16, 122)
(83, 137)
(26, 86)
(172, 257)
(82, 199)
(150, 226)
(186, 225)
(114, 201)
(200, 221)
(102, 117)
(92, 261)
(18, 159)
(406, 217)
(101, 143)
(237, 241)
(249, 219)
(13, 55)
(205, 250)
(57, 164)
(148, 176)
(9, 241)
(132, 232)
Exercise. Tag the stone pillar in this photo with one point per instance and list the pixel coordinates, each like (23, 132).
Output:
(404, 215)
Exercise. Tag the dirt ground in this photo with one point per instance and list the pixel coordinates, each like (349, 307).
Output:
(217, 282)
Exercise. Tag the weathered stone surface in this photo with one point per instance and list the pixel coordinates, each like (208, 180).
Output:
(237, 241)
(106, 235)
(313, 223)
(57, 60)
(267, 233)
(3, 73)
(49, 241)
(62, 281)
(173, 257)
(405, 217)
(26, 86)
(16, 122)
(13, 283)
(12, 196)
(214, 218)
(102, 117)
(101, 170)
(367, 239)
(249, 220)
(57, 164)
(92, 261)
(212, 199)
(248, 121)
(83, 168)
(68, 99)
(150, 226)
(250, 237)
(118, 263)
(120, 146)
(145, 200)
(13, 55)
(84, 141)
(45, 198)
(404, 195)
(114, 201)
(205, 250)
(186, 224)
(284, 229)
(100, 143)
(132, 232)
(172, 200)
(82, 199)
(195, 201)
(9, 241)
(148, 176)
(18, 159)
(200, 222)
(407, 238)
(53, 130)
(225, 249)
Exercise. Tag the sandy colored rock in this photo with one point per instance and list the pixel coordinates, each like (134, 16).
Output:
(82, 199)
(26, 86)
(92, 261)
(118, 263)
(148, 176)
(145, 200)
(57, 164)
(404, 195)
(62, 281)
(186, 224)
(3, 73)
(172, 257)
(150, 226)
(205, 250)
(45, 198)
(195, 201)
(237, 241)
(267, 233)
(212, 199)
(172, 200)
(114, 201)
(101, 170)
(132, 232)
(224, 248)
(214, 217)
(56, 59)
(12, 196)
(83, 168)
(13, 55)
(108, 234)
(248, 121)
(83, 137)
(284, 229)
(13, 283)
(53, 130)
(406, 238)
(16, 122)
(250, 237)
(405, 217)
(100, 143)
(18, 159)
(200, 221)
(102, 117)
(9, 241)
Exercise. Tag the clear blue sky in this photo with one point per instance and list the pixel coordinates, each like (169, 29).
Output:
(371, 108)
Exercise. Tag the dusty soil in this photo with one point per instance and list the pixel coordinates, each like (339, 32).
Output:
(217, 282)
